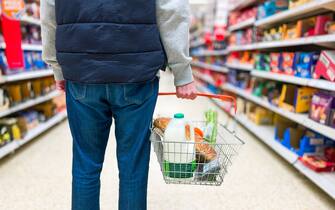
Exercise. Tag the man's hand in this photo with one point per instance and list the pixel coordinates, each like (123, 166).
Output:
(60, 85)
(188, 91)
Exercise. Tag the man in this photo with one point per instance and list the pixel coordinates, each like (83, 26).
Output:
(109, 53)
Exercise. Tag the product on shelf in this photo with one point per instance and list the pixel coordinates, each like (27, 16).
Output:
(240, 16)
(323, 108)
(33, 8)
(296, 99)
(262, 62)
(297, 3)
(271, 7)
(325, 67)
(239, 79)
(305, 64)
(19, 92)
(259, 115)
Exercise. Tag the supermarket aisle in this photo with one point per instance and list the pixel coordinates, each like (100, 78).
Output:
(37, 177)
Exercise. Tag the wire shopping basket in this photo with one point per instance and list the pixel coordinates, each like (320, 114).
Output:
(206, 163)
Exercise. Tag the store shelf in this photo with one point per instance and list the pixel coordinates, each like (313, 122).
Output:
(240, 66)
(267, 136)
(41, 128)
(247, 23)
(204, 78)
(296, 13)
(210, 67)
(324, 180)
(315, 83)
(27, 47)
(327, 40)
(26, 75)
(302, 119)
(31, 20)
(29, 103)
(210, 53)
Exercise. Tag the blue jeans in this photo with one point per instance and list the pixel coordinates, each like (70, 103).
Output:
(91, 108)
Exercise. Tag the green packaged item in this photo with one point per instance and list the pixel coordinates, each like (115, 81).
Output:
(211, 126)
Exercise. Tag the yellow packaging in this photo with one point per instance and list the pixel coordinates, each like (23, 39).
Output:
(259, 115)
(296, 99)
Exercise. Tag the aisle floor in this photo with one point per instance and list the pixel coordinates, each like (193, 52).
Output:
(38, 176)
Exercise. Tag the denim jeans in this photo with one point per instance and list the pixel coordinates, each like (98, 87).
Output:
(91, 108)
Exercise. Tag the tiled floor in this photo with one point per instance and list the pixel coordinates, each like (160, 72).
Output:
(38, 176)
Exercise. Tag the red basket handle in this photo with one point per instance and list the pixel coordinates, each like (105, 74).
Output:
(221, 97)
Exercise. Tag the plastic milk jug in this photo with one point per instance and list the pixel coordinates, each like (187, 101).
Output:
(178, 151)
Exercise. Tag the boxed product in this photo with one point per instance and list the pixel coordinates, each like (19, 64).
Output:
(292, 137)
(305, 64)
(259, 115)
(271, 7)
(296, 99)
(262, 61)
(289, 60)
(322, 108)
(292, 30)
(281, 124)
(318, 163)
(325, 67)
(276, 61)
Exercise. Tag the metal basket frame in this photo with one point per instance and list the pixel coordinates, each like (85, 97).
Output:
(226, 148)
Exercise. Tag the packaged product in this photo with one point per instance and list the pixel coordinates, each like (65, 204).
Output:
(325, 67)
(179, 156)
(322, 108)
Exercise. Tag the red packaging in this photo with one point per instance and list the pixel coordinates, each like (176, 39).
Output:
(275, 62)
(321, 22)
(325, 67)
(288, 63)
(317, 163)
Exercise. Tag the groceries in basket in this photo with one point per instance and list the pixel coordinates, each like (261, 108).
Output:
(188, 151)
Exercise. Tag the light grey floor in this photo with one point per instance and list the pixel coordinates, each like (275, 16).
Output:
(38, 176)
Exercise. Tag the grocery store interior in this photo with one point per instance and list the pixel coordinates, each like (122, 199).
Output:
(275, 57)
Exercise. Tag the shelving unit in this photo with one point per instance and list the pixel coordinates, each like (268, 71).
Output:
(29, 103)
(326, 40)
(41, 128)
(242, 25)
(315, 83)
(210, 53)
(25, 75)
(326, 181)
(210, 67)
(240, 66)
(296, 13)
(323, 180)
(28, 47)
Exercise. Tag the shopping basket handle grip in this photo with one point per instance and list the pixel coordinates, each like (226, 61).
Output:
(220, 97)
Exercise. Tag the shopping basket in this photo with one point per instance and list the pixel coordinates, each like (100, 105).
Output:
(202, 171)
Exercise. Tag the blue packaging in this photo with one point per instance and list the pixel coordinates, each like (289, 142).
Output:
(306, 64)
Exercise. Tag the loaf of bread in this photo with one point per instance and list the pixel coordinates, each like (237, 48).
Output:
(205, 151)
(162, 123)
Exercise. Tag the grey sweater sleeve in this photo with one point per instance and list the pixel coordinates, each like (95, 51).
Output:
(173, 18)
(48, 19)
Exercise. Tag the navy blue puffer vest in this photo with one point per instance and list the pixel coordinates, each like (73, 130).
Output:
(108, 41)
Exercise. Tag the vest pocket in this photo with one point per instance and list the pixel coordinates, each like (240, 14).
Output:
(138, 93)
(77, 90)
